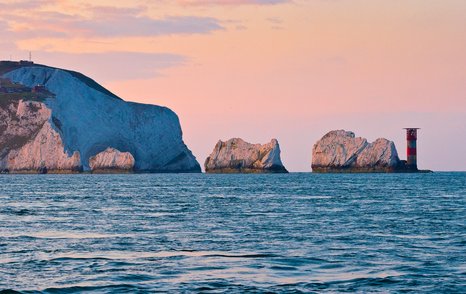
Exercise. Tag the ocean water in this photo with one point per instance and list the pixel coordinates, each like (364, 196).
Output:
(187, 233)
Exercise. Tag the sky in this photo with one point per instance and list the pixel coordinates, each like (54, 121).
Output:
(262, 69)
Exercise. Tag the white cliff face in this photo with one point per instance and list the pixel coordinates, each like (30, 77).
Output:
(89, 119)
(342, 151)
(45, 150)
(236, 155)
(21, 119)
(112, 159)
(29, 141)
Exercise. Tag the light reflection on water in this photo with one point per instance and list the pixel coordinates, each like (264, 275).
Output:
(61, 235)
(233, 233)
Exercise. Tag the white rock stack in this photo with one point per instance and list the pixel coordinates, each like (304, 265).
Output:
(342, 151)
(112, 160)
(238, 156)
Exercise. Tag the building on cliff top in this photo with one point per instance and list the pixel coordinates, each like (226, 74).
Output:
(26, 62)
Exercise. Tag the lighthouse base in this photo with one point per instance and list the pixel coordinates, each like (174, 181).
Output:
(404, 167)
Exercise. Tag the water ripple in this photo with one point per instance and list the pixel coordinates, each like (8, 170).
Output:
(296, 233)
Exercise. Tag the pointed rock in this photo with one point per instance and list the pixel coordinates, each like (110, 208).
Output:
(342, 151)
(112, 160)
(238, 156)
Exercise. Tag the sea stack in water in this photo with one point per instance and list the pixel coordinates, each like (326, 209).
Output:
(54, 120)
(112, 161)
(238, 156)
(342, 151)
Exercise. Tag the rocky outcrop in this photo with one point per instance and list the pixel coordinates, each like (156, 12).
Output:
(73, 119)
(29, 142)
(342, 151)
(379, 154)
(238, 156)
(112, 160)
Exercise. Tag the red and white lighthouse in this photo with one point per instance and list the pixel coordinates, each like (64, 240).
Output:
(411, 151)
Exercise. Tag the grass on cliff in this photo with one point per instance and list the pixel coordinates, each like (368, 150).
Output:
(20, 92)
(6, 99)
(7, 66)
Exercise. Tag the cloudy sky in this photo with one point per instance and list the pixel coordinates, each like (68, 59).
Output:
(262, 69)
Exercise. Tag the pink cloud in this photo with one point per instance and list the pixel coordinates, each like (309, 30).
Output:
(105, 22)
(231, 2)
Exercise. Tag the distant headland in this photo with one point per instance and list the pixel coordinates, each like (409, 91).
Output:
(60, 121)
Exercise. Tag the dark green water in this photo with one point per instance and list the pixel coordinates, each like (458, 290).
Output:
(233, 233)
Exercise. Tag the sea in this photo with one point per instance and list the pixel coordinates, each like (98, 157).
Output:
(235, 233)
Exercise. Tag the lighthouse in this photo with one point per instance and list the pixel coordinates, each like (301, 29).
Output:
(411, 150)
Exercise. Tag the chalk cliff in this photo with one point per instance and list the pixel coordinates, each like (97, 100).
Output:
(69, 119)
(29, 142)
(238, 156)
(342, 151)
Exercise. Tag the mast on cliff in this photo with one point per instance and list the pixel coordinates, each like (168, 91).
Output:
(411, 150)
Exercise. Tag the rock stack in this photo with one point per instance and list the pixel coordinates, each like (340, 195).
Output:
(238, 156)
(342, 151)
